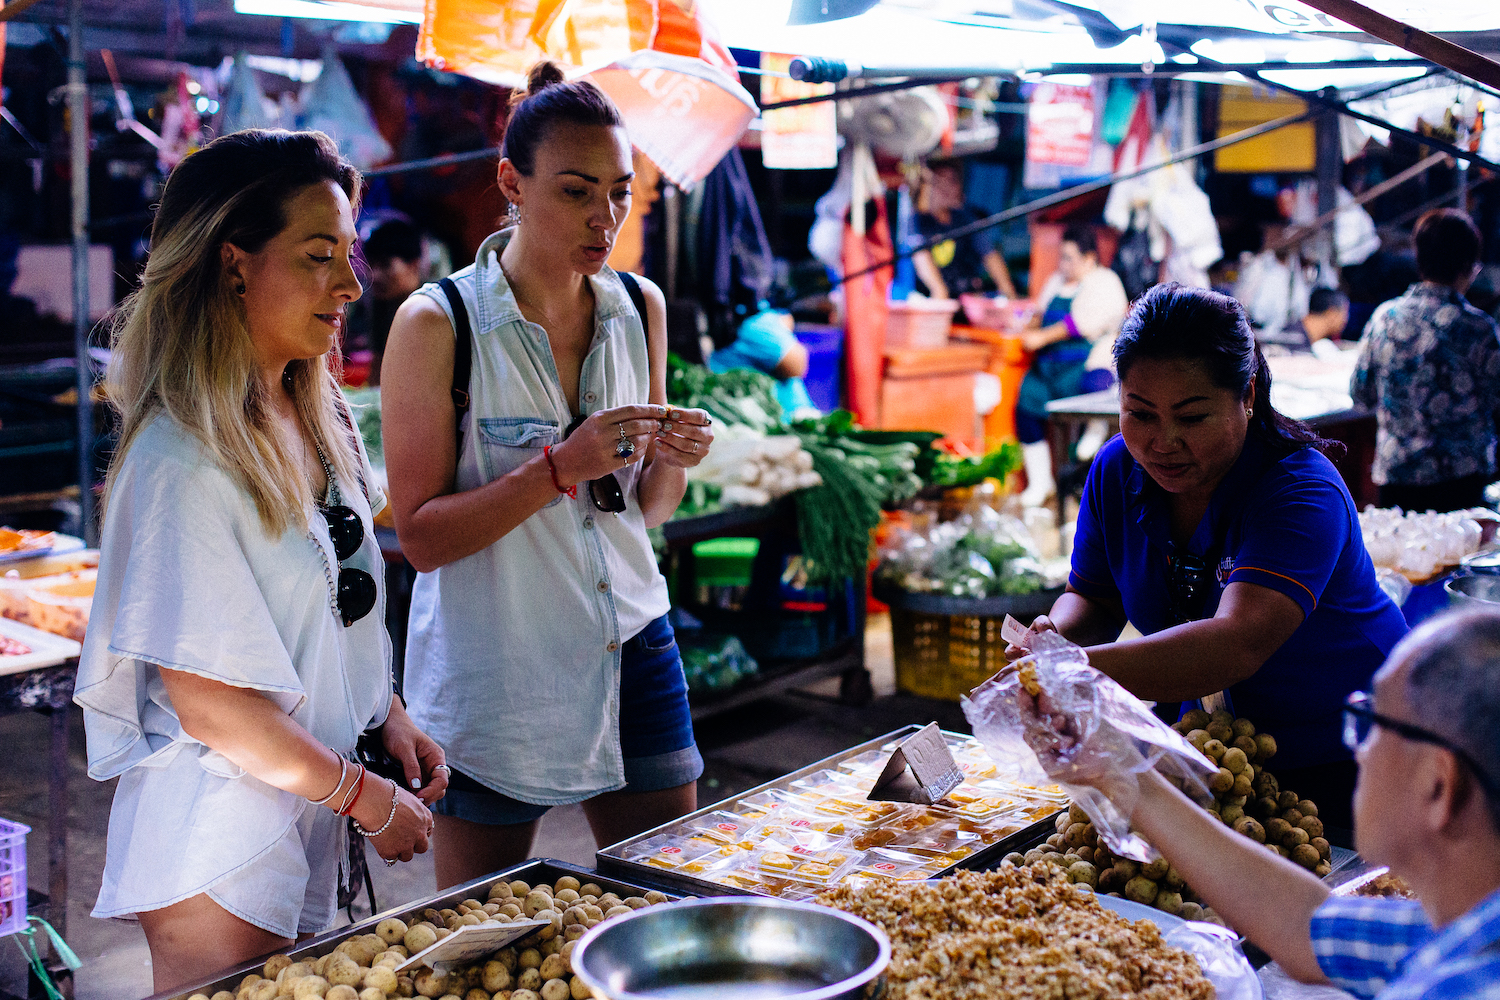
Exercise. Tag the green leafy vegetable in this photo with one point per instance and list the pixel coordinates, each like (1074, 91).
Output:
(834, 520)
(954, 471)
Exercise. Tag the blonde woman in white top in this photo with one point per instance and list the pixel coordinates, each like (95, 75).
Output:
(237, 648)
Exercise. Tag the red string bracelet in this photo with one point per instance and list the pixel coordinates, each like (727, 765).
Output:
(571, 491)
(359, 789)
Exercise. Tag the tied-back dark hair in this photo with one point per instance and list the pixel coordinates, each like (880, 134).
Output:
(550, 100)
(1174, 322)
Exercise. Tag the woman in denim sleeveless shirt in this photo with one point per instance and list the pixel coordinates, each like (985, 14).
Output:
(539, 644)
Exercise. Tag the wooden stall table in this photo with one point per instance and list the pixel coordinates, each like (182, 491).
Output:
(933, 389)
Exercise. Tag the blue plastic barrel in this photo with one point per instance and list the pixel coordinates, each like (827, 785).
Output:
(825, 363)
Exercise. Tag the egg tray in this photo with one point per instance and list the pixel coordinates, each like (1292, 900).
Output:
(532, 872)
(612, 861)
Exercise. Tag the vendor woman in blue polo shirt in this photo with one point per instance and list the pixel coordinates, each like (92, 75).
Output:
(1218, 529)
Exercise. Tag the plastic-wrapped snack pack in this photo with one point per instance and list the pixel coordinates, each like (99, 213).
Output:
(1095, 737)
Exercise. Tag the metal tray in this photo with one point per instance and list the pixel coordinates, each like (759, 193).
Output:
(536, 870)
(611, 861)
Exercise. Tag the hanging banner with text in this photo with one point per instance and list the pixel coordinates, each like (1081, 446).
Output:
(802, 138)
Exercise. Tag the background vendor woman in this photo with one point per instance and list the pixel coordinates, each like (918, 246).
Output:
(1215, 526)
(969, 263)
(1081, 307)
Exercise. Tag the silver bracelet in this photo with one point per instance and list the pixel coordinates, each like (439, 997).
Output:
(343, 771)
(388, 820)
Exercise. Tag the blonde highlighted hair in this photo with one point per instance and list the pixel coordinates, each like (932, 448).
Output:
(181, 342)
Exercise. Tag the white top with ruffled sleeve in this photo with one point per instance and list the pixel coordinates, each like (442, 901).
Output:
(189, 580)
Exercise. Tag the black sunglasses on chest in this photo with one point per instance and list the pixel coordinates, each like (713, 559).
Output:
(356, 588)
(605, 493)
(1188, 578)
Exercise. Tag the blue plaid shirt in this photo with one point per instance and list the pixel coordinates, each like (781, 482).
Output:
(1387, 948)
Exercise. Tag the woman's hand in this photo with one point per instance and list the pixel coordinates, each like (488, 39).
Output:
(592, 450)
(421, 758)
(410, 822)
(1040, 624)
(684, 438)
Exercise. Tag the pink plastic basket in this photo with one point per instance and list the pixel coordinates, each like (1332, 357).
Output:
(12, 876)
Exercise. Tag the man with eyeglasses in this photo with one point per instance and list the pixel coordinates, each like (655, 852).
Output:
(1427, 741)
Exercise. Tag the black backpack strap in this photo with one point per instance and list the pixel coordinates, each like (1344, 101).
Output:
(462, 356)
(638, 297)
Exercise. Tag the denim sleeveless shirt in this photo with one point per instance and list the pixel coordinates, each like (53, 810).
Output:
(513, 653)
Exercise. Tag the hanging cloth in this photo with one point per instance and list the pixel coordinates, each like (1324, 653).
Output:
(734, 257)
(867, 240)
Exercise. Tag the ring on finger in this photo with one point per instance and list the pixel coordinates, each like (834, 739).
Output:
(695, 447)
(389, 862)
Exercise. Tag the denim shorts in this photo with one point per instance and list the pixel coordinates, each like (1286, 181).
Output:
(656, 734)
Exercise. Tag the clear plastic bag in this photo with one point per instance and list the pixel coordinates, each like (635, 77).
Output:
(1086, 733)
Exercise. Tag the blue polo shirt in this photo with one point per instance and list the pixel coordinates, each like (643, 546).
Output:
(1283, 520)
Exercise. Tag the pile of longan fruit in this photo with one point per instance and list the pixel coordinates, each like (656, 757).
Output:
(1248, 798)
(1076, 849)
(537, 967)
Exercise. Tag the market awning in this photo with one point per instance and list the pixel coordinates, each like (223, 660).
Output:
(672, 78)
(681, 112)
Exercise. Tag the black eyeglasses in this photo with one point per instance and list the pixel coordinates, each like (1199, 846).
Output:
(605, 493)
(1187, 583)
(1360, 717)
(356, 588)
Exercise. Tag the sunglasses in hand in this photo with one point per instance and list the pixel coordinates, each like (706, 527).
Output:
(605, 493)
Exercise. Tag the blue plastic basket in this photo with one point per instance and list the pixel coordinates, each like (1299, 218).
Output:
(12, 876)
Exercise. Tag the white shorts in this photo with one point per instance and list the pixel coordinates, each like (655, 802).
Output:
(181, 828)
(293, 888)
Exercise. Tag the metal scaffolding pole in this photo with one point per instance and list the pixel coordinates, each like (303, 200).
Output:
(78, 114)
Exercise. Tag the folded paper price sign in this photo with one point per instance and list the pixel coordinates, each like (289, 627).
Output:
(470, 943)
(921, 770)
(1015, 633)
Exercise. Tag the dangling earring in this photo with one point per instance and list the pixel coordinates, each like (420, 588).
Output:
(513, 214)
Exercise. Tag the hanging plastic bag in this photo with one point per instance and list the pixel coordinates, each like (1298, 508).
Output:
(245, 105)
(1071, 725)
(1354, 236)
(334, 107)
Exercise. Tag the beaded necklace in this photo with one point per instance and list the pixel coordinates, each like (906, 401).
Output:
(331, 498)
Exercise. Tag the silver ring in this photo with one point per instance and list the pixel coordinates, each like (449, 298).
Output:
(695, 447)
(625, 447)
(389, 862)
(443, 767)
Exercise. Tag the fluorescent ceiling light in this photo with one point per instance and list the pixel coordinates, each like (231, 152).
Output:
(326, 10)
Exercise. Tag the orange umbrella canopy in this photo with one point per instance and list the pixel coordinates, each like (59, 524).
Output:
(674, 81)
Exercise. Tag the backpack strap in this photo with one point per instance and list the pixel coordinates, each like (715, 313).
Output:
(462, 356)
(638, 297)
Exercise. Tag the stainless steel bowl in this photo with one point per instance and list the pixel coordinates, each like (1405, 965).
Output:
(732, 948)
(1478, 591)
